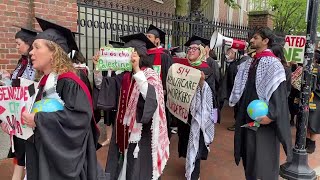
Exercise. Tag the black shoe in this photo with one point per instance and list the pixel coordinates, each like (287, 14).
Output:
(232, 128)
(310, 146)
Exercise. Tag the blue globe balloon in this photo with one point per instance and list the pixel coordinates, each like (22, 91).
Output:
(257, 108)
(47, 105)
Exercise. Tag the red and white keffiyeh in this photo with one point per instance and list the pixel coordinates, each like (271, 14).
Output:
(160, 141)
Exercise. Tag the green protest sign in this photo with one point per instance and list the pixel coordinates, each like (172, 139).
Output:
(294, 48)
(114, 59)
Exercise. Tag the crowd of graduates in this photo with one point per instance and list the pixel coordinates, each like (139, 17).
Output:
(133, 103)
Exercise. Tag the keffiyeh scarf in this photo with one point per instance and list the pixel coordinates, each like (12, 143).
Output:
(270, 74)
(159, 141)
(203, 118)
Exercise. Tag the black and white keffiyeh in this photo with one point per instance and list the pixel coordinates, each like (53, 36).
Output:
(270, 74)
(203, 118)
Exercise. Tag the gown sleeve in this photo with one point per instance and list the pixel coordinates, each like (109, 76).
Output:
(147, 102)
(109, 92)
(279, 113)
(166, 61)
(64, 133)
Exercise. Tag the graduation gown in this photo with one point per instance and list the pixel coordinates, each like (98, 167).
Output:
(314, 114)
(259, 150)
(64, 142)
(228, 79)
(166, 62)
(184, 129)
(137, 168)
(215, 67)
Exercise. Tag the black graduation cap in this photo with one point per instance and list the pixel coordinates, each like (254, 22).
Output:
(26, 34)
(197, 40)
(58, 34)
(76, 33)
(141, 37)
(157, 32)
(116, 44)
(29, 31)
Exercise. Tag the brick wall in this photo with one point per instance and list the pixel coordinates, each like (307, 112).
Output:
(260, 19)
(22, 13)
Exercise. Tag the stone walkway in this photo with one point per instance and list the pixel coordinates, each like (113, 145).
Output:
(219, 166)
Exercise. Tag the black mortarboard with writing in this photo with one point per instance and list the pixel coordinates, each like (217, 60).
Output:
(197, 40)
(157, 32)
(58, 34)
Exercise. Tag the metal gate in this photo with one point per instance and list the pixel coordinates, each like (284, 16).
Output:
(100, 22)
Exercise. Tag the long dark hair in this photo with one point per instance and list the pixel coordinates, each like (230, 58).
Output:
(278, 50)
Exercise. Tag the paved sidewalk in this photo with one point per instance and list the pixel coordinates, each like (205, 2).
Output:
(219, 166)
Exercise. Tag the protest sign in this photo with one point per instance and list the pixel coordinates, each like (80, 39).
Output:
(182, 83)
(294, 48)
(114, 59)
(14, 101)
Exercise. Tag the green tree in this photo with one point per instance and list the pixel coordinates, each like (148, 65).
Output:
(289, 15)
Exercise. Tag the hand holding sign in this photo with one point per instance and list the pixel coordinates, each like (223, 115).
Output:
(95, 58)
(202, 78)
(135, 60)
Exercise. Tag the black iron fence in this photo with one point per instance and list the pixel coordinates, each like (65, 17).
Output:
(101, 21)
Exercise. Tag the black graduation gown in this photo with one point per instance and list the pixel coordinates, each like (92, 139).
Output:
(259, 150)
(314, 114)
(215, 67)
(137, 168)
(288, 79)
(184, 129)
(63, 145)
(228, 79)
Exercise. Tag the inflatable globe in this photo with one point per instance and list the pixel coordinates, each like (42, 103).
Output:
(257, 108)
(47, 105)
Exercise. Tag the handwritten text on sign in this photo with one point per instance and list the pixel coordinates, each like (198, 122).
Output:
(14, 101)
(115, 59)
(182, 83)
(294, 48)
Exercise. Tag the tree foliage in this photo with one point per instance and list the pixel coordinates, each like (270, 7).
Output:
(231, 3)
(289, 15)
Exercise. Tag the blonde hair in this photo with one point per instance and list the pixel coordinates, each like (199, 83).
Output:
(61, 62)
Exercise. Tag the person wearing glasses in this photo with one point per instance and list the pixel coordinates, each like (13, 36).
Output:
(196, 136)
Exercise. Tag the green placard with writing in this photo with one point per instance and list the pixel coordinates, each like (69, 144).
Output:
(114, 59)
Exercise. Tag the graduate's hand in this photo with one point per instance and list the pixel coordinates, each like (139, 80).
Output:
(263, 120)
(135, 59)
(29, 119)
(5, 127)
(95, 58)
(202, 78)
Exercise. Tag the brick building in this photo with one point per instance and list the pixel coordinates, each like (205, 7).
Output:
(22, 13)
(64, 12)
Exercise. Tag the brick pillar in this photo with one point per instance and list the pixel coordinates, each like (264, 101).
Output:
(22, 13)
(260, 19)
